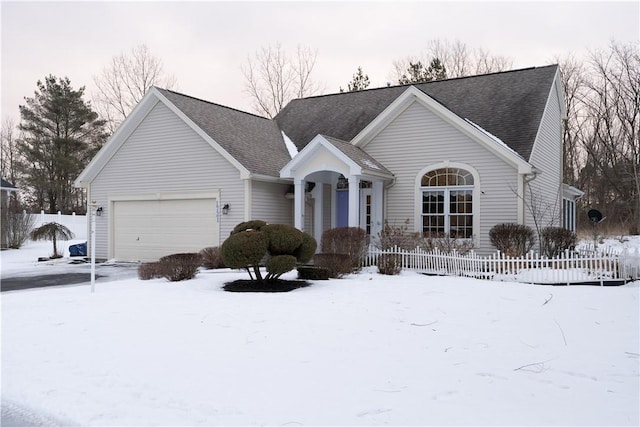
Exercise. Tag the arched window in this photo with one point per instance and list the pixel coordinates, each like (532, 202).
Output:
(447, 203)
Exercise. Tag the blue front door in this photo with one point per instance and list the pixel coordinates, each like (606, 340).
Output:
(342, 208)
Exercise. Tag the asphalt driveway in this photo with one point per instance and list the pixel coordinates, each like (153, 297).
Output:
(104, 272)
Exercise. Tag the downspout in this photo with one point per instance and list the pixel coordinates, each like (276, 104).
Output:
(526, 179)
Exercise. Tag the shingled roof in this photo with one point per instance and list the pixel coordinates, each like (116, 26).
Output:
(256, 142)
(356, 154)
(6, 185)
(508, 104)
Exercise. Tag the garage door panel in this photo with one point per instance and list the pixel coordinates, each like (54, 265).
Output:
(145, 230)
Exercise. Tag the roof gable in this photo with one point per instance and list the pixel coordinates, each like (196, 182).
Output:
(253, 141)
(508, 104)
(349, 157)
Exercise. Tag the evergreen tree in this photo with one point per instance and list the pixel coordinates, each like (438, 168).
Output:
(436, 70)
(61, 135)
(360, 81)
(417, 73)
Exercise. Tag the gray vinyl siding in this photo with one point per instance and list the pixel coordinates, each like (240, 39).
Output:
(269, 204)
(546, 156)
(418, 138)
(164, 155)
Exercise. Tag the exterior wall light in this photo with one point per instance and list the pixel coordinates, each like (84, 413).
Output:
(225, 209)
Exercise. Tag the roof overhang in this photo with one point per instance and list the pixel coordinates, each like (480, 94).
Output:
(131, 123)
(413, 94)
(570, 191)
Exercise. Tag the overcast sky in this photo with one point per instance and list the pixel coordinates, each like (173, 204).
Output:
(204, 44)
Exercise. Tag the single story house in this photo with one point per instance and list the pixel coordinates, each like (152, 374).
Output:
(453, 156)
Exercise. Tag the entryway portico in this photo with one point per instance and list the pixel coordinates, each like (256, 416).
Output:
(331, 165)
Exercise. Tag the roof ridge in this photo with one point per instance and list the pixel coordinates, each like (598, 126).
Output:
(212, 103)
(423, 83)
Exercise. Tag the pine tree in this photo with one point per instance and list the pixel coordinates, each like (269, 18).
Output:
(61, 135)
(436, 70)
(360, 81)
(417, 73)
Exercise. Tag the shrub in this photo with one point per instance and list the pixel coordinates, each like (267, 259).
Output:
(150, 270)
(512, 239)
(346, 240)
(556, 240)
(309, 272)
(307, 249)
(179, 267)
(397, 236)
(390, 264)
(244, 249)
(283, 239)
(211, 258)
(337, 264)
(443, 242)
(280, 264)
(17, 225)
(279, 246)
(255, 224)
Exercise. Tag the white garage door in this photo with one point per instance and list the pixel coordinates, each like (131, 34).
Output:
(145, 230)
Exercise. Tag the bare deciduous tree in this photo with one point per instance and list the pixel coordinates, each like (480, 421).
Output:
(9, 154)
(457, 58)
(273, 78)
(125, 81)
(613, 143)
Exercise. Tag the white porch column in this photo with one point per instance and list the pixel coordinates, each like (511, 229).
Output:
(298, 203)
(354, 201)
(318, 224)
(377, 208)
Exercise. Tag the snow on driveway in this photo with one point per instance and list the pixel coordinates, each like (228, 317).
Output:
(365, 350)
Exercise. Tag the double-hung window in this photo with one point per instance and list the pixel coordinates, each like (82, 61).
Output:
(447, 203)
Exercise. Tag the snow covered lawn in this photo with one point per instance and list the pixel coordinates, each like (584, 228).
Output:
(364, 350)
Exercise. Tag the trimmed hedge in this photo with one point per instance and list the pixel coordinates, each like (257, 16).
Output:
(351, 241)
(337, 264)
(308, 272)
(512, 239)
(179, 267)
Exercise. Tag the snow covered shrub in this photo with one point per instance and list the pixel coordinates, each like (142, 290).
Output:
(179, 267)
(512, 239)
(346, 240)
(149, 270)
(211, 258)
(556, 240)
(337, 264)
(278, 246)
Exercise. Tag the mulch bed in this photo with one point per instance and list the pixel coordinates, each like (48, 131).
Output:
(271, 286)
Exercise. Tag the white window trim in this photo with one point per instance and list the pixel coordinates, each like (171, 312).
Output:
(417, 219)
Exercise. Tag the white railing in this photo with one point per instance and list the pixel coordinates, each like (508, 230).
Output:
(76, 223)
(569, 267)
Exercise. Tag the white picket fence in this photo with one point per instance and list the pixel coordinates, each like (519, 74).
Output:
(569, 267)
(76, 223)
